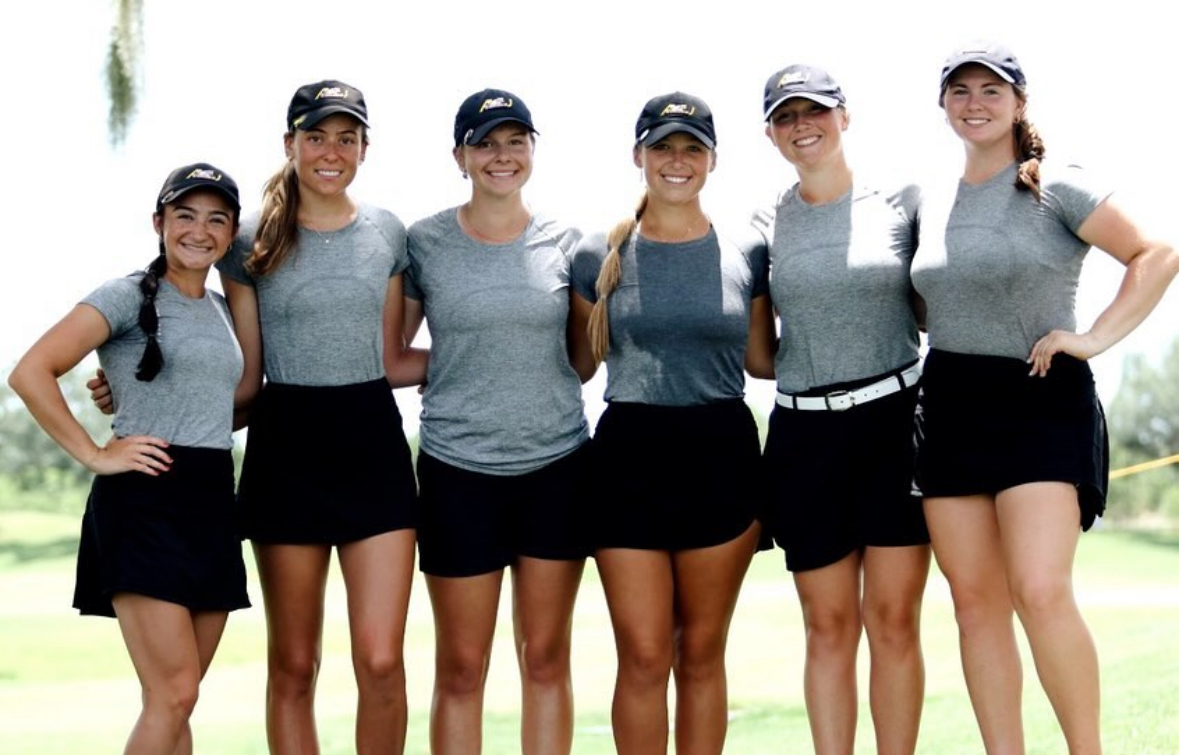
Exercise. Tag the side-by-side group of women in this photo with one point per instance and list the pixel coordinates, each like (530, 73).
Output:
(993, 449)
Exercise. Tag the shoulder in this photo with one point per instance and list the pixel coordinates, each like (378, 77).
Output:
(384, 222)
(1071, 178)
(431, 227)
(750, 237)
(565, 236)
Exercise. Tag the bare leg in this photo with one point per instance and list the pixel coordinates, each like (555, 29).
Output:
(543, 594)
(378, 574)
(894, 584)
(966, 542)
(208, 627)
(830, 598)
(707, 583)
(161, 639)
(1041, 526)
(638, 585)
(464, 624)
(293, 579)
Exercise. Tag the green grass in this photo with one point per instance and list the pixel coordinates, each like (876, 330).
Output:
(67, 686)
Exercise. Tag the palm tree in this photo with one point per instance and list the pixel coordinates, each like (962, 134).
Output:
(122, 67)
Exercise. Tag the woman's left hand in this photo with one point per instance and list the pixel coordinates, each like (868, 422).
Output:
(1079, 345)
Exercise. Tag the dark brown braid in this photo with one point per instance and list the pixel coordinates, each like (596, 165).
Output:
(149, 320)
(1029, 149)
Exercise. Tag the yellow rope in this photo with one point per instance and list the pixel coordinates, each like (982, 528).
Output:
(1136, 468)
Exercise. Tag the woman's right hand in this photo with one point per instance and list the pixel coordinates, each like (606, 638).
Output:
(100, 392)
(134, 453)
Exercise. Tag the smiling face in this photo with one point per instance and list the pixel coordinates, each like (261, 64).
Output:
(500, 164)
(327, 155)
(807, 133)
(196, 230)
(982, 108)
(675, 167)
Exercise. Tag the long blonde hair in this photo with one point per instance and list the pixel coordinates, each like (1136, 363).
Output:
(278, 222)
(608, 279)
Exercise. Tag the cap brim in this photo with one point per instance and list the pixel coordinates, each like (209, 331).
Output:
(174, 195)
(315, 116)
(663, 131)
(824, 100)
(480, 133)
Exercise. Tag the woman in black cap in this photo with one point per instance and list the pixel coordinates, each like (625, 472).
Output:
(502, 433)
(839, 452)
(160, 549)
(1014, 461)
(314, 282)
(668, 298)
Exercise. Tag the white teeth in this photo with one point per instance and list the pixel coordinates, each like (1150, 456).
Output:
(501, 173)
(976, 121)
(806, 141)
(676, 179)
(328, 173)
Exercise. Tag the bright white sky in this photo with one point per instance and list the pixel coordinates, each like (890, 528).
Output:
(219, 74)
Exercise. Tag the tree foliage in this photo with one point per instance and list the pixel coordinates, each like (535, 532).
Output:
(29, 458)
(1143, 426)
(122, 67)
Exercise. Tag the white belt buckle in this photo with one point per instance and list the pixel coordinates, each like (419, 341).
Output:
(839, 396)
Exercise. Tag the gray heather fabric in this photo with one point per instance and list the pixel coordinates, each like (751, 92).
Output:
(321, 309)
(190, 403)
(679, 320)
(501, 396)
(1002, 271)
(839, 278)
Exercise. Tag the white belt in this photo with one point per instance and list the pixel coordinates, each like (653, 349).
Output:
(838, 401)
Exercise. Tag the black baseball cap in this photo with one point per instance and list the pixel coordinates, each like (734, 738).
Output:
(994, 56)
(314, 102)
(672, 113)
(198, 176)
(807, 82)
(486, 109)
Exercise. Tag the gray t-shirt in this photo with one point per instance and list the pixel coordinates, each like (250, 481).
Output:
(501, 395)
(321, 309)
(839, 278)
(999, 270)
(679, 319)
(190, 402)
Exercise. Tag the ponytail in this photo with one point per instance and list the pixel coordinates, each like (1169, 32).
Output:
(278, 226)
(608, 279)
(149, 320)
(1029, 150)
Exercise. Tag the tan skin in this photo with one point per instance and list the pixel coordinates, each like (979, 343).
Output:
(543, 591)
(671, 611)
(170, 646)
(874, 589)
(1012, 553)
(378, 571)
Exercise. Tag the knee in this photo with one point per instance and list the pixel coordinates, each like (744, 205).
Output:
(1041, 596)
(832, 631)
(544, 663)
(176, 698)
(293, 671)
(379, 669)
(979, 606)
(460, 673)
(893, 626)
(646, 664)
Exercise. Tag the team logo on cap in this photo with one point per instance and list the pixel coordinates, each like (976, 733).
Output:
(205, 173)
(793, 77)
(675, 108)
(335, 93)
(496, 102)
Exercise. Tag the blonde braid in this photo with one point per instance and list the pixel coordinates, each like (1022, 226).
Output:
(608, 279)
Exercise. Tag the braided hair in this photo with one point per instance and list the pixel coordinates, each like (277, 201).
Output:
(149, 320)
(608, 279)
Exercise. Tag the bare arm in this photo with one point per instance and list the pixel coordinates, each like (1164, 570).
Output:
(243, 305)
(577, 337)
(404, 364)
(763, 339)
(35, 377)
(1150, 267)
